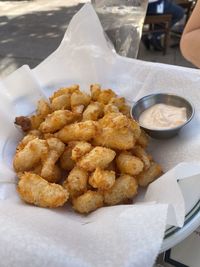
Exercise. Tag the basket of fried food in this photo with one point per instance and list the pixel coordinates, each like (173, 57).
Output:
(84, 149)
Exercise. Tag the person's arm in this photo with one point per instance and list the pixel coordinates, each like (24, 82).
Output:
(190, 40)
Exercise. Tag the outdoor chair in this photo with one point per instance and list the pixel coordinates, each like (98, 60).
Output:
(164, 20)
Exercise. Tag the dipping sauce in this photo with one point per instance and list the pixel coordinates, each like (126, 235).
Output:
(162, 116)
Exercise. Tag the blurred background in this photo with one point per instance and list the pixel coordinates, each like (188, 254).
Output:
(31, 30)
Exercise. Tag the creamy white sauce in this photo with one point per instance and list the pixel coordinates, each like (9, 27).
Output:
(162, 116)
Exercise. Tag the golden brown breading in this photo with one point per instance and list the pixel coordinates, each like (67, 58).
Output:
(33, 122)
(61, 102)
(81, 131)
(118, 121)
(148, 176)
(56, 145)
(27, 138)
(139, 152)
(114, 120)
(65, 90)
(102, 179)
(80, 149)
(95, 90)
(66, 161)
(129, 164)
(49, 171)
(36, 133)
(125, 187)
(36, 120)
(76, 182)
(35, 190)
(78, 109)
(43, 108)
(116, 131)
(143, 139)
(135, 128)
(29, 123)
(102, 96)
(79, 135)
(97, 157)
(126, 110)
(121, 139)
(88, 202)
(57, 120)
(30, 155)
(105, 96)
(79, 99)
(54, 176)
(110, 108)
(118, 102)
(93, 111)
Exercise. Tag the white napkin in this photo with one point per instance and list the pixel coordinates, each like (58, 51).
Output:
(129, 235)
(33, 236)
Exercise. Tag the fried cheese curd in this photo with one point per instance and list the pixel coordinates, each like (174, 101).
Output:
(82, 148)
(36, 190)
